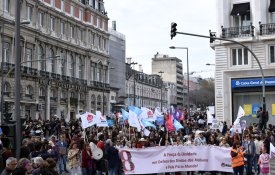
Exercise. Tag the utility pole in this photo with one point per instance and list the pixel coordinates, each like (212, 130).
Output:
(17, 78)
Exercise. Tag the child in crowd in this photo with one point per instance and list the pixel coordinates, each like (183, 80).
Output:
(264, 162)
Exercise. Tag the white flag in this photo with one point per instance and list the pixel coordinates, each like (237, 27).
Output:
(209, 117)
(87, 119)
(272, 150)
(134, 121)
(101, 120)
(146, 132)
(239, 116)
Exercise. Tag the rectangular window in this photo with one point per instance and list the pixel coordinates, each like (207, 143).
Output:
(62, 65)
(103, 24)
(6, 52)
(62, 5)
(53, 3)
(80, 14)
(41, 19)
(272, 54)
(52, 24)
(62, 28)
(29, 13)
(72, 10)
(7, 5)
(92, 19)
(239, 56)
(104, 44)
(92, 73)
(80, 35)
(72, 31)
(98, 22)
(28, 57)
(96, 4)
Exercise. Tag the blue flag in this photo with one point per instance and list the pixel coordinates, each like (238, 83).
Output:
(147, 123)
(177, 125)
(125, 114)
(135, 110)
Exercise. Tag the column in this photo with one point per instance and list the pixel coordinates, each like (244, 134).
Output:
(48, 102)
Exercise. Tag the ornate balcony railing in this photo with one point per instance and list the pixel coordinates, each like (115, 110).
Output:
(267, 29)
(238, 32)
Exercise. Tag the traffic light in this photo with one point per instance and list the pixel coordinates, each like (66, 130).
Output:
(173, 30)
(212, 36)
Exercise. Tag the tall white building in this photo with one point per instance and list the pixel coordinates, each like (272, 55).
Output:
(172, 73)
(238, 77)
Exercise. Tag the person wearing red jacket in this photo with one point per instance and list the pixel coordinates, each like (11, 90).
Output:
(87, 163)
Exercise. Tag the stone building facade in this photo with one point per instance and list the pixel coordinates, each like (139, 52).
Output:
(70, 38)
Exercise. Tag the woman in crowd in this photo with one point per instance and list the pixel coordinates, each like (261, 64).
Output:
(87, 164)
(26, 164)
(74, 159)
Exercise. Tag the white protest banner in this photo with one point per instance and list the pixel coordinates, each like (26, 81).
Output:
(87, 120)
(101, 120)
(175, 158)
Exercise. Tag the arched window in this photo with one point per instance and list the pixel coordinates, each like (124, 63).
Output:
(29, 91)
(105, 103)
(98, 102)
(41, 92)
(93, 106)
(71, 65)
(63, 63)
(7, 89)
(52, 61)
(41, 64)
(81, 68)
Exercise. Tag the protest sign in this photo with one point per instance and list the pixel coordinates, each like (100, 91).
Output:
(175, 158)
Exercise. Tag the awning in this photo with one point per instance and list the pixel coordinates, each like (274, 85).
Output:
(272, 6)
(240, 9)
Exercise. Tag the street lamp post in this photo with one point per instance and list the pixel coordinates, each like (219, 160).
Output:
(161, 72)
(187, 62)
(236, 42)
(17, 78)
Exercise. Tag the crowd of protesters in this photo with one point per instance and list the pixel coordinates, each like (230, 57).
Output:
(57, 147)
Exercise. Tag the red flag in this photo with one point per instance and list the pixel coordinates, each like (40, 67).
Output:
(169, 123)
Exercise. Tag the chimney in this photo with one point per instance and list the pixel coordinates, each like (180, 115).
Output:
(140, 67)
(129, 60)
(114, 25)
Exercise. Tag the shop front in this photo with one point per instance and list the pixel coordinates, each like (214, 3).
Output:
(247, 93)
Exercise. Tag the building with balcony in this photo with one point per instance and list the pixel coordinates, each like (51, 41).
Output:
(238, 77)
(75, 30)
(172, 73)
(144, 90)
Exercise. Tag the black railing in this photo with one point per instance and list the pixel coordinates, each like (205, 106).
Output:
(238, 32)
(267, 29)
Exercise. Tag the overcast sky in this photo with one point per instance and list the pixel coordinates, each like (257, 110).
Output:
(146, 25)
